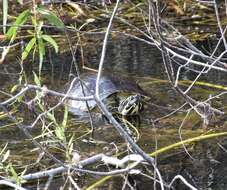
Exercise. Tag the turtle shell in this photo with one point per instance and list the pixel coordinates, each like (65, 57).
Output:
(108, 85)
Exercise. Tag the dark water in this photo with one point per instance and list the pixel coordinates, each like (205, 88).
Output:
(205, 168)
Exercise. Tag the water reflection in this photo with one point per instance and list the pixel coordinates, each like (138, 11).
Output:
(128, 56)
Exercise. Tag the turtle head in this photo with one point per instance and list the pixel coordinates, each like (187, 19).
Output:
(132, 105)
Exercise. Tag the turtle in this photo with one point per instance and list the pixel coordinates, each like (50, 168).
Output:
(121, 95)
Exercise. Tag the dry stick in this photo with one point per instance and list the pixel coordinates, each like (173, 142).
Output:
(173, 180)
(27, 134)
(46, 91)
(219, 24)
(5, 51)
(179, 70)
(194, 61)
(168, 68)
(226, 7)
(48, 183)
(10, 184)
(117, 126)
(212, 59)
(190, 48)
(126, 182)
(180, 134)
(36, 143)
(203, 71)
(152, 178)
(184, 58)
(190, 100)
(194, 51)
(97, 98)
(88, 161)
(175, 54)
(74, 183)
(55, 106)
(183, 180)
(218, 45)
(63, 167)
(77, 71)
(171, 113)
(179, 131)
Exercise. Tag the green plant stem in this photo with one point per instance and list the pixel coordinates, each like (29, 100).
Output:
(187, 141)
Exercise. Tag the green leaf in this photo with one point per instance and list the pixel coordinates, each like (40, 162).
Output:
(3, 149)
(60, 133)
(28, 48)
(64, 122)
(5, 14)
(51, 41)
(51, 117)
(34, 21)
(20, 20)
(22, 174)
(36, 79)
(39, 28)
(13, 172)
(20, 1)
(14, 88)
(51, 17)
(70, 144)
(5, 156)
(41, 46)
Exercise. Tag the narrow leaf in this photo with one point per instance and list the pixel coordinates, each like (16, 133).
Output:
(51, 17)
(64, 122)
(20, 20)
(51, 116)
(60, 133)
(14, 88)
(5, 156)
(3, 149)
(36, 79)
(51, 41)
(13, 172)
(41, 46)
(28, 48)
